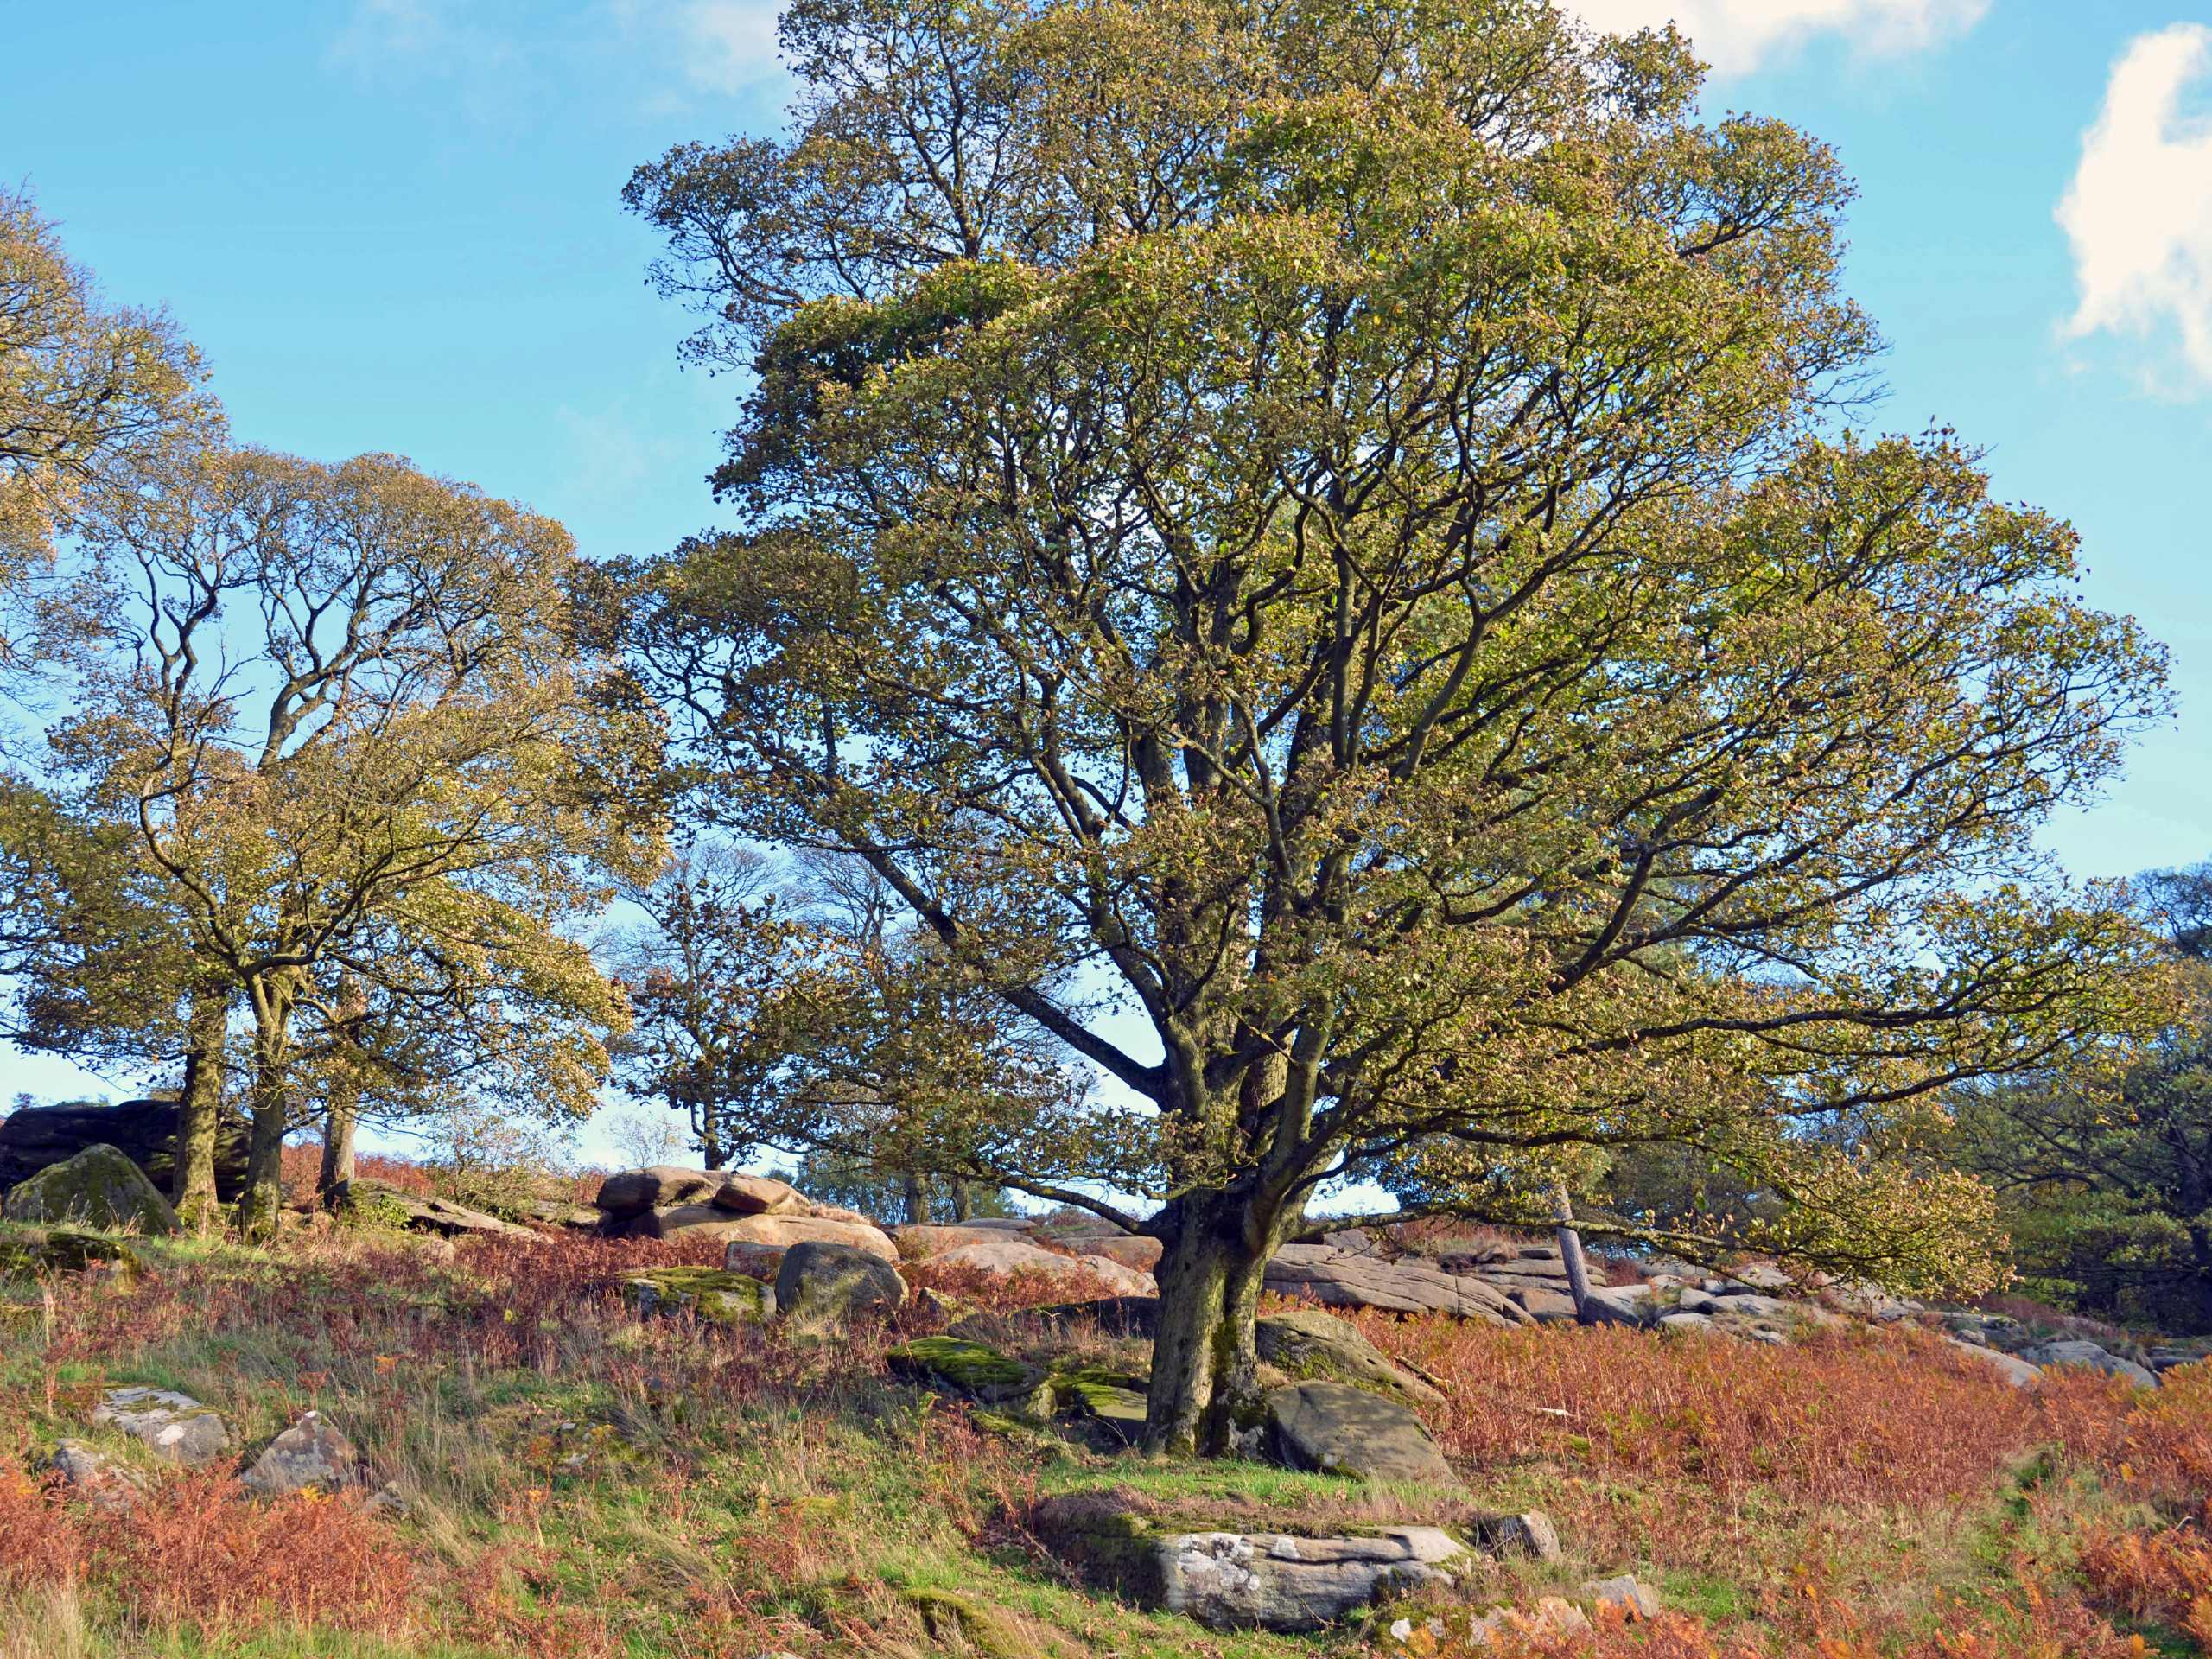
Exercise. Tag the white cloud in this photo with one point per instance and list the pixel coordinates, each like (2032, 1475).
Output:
(732, 44)
(1735, 36)
(2139, 210)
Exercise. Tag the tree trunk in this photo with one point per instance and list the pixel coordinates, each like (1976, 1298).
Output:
(263, 1198)
(335, 1183)
(1205, 1366)
(199, 1110)
(963, 1200)
(1570, 1249)
(917, 1200)
(341, 1117)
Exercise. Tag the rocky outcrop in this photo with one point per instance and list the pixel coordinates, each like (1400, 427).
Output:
(1227, 1579)
(1336, 1428)
(1339, 1278)
(99, 1188)
(174, 1425)
(821, 1286)
(666, 1201)
(1099, 1261)
(144, 1131)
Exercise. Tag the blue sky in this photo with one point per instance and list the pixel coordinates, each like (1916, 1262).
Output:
(393, 225)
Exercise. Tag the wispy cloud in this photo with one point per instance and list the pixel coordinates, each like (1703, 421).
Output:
(503, 55)
(2139, 210)
(1737, 36)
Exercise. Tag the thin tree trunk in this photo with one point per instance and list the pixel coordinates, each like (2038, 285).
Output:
(199, 1110)
(1570, 1249)
(341, 1117)
(263, 1198)
(917, 1200)
(1205, 1364)
(335, 1183)
(963, 1200)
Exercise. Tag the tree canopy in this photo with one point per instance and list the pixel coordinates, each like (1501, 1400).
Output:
(1328, 533)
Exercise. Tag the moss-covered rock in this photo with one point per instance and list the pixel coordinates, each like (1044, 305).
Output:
(1309, 1345)
(27, 1252)
(974, 1368)
(98, 1188)
(714, 1295)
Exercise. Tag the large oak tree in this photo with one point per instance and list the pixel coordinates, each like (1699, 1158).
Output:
(1315, 548)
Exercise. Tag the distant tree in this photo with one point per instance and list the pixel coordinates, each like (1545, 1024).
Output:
(1312, 548)
(346, 712)
(2105, 1165)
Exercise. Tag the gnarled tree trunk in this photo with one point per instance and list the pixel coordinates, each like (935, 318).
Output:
(263, 1198)
(1204, 1365)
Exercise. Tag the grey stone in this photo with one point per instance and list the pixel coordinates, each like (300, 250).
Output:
(174, 1425)
(98, 1476)
(1546, 1307)
(1235, 1580)
(311, 1455)
(1337, 1278)
(1621, 1305)
(1307, 1342)
(440, 1217)
(1689, 1323)
(98, 1188)
(822, 1284)
(1632, 1595)
(1529, 1535)
(2082, 1352)
(1336, 1428)
(144, 1131)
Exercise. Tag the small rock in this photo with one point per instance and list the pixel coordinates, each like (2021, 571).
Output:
(311, 1454)
(714, 1295)
(974, 1368)
(1546, 1307)
(1529, 1535)
(1628, 1305)
(1689, 1323)
(94, 1473)
(1637, 1599)
(174, 1425)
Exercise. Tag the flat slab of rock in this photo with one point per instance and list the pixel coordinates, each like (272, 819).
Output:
(1335, 1278)
(773, 1232)
(1339, 1429)
(99, 1188)
(975, 1368)
(173, 1425)
(439, 1217)
(822, 1285)
(1005, 1257)
(1242, 1580)
(310, 1456)
(1272, 1581)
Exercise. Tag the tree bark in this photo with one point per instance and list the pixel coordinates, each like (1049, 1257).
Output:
(199, 1110)
(341, 1117)
(263, 1198)
(334, 1186)
(1205, 1363)
(963, 1200)
(917, 1200)
(1570, 1249)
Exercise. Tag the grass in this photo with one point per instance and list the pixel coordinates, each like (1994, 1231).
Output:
(581, 1483)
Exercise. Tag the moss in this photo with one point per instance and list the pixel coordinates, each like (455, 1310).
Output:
(714, 1295)
(98, 1188)
(973, 1368)
(27, 1252)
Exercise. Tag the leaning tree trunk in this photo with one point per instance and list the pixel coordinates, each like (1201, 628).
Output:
(263, 1198)
(199, 1110)
(1204, 1365)
(1570, 1250)
(341, 1116)
(334, 1186)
